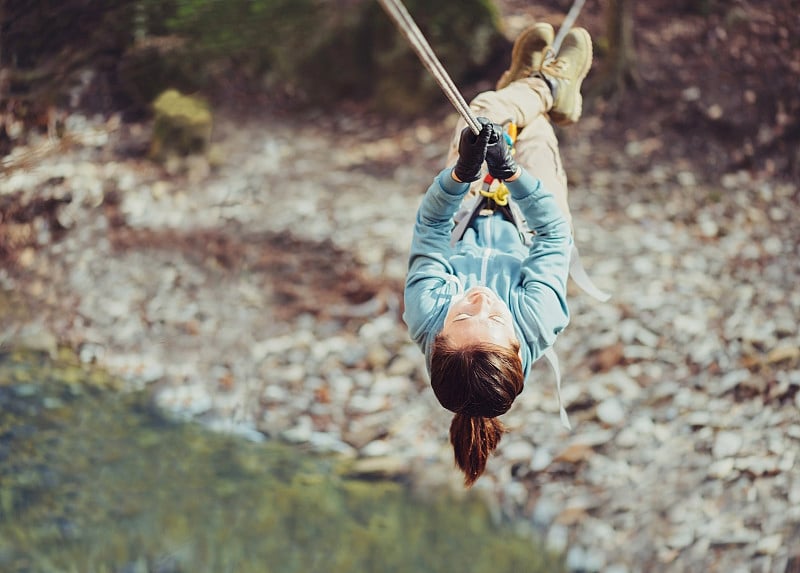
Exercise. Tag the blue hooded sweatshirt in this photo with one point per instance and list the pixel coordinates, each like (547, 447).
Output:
(532, 281)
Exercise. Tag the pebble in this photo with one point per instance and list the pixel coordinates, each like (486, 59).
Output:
(721, 469)
(576, 559)
(545, 510)
(727, 444)
(517, 450)
(611, 412)
(769, 545)
(557, 538)
(540, 460)
(695, 405)
(301, 432)
(190, 400)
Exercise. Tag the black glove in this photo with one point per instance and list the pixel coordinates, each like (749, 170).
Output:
(498, 156)
(472, 152)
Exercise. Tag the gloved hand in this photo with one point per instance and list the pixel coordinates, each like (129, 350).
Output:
(472, 152)
(498, 156)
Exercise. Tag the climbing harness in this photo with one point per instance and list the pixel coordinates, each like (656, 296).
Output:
(493, 197)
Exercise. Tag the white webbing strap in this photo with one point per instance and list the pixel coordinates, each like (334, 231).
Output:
(464, 217)
(581, 278)
(552, 359)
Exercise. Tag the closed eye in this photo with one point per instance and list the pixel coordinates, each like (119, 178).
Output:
(464, 316)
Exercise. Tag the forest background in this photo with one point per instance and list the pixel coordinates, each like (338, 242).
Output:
(715, 82)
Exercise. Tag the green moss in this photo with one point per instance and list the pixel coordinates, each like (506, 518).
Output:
(182, 125)
(102, 481)
(189, 111)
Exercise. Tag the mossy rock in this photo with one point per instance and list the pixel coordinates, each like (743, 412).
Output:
(154, 64)
(182, 125)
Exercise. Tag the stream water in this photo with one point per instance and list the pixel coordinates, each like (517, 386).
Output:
(94, 479)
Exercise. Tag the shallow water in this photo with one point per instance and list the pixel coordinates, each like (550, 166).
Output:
(96, 480)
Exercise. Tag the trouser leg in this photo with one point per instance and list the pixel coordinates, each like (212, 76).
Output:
(537, 151)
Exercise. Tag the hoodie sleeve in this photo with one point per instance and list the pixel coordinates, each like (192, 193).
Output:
(429, 266)
(543, 305)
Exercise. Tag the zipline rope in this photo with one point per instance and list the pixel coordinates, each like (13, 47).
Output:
(572, 15)
(398, 13)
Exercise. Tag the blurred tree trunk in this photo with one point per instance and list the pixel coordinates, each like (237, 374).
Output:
(619, 72)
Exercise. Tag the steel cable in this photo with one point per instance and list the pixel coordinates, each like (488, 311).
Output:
(398, 13)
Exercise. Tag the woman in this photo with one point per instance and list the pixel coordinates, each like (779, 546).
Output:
(485, 307)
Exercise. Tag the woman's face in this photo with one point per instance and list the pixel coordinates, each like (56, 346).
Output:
(479, 316)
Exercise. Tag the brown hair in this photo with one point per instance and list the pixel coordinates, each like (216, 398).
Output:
(477, 382)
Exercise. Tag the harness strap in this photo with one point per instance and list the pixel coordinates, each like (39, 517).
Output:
(464, 219)
(467, 215)
(578, 273)
(552, 359)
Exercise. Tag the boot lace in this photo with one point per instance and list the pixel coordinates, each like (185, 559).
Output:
(558, 68)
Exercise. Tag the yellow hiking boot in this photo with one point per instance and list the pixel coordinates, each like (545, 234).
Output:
(528, 53)
(566, 73)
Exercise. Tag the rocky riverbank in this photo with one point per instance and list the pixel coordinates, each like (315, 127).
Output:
(261, 292)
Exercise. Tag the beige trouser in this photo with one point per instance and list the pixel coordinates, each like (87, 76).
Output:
(525, 102)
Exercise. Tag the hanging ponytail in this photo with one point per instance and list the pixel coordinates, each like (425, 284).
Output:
(478, 383)
(473, 439)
